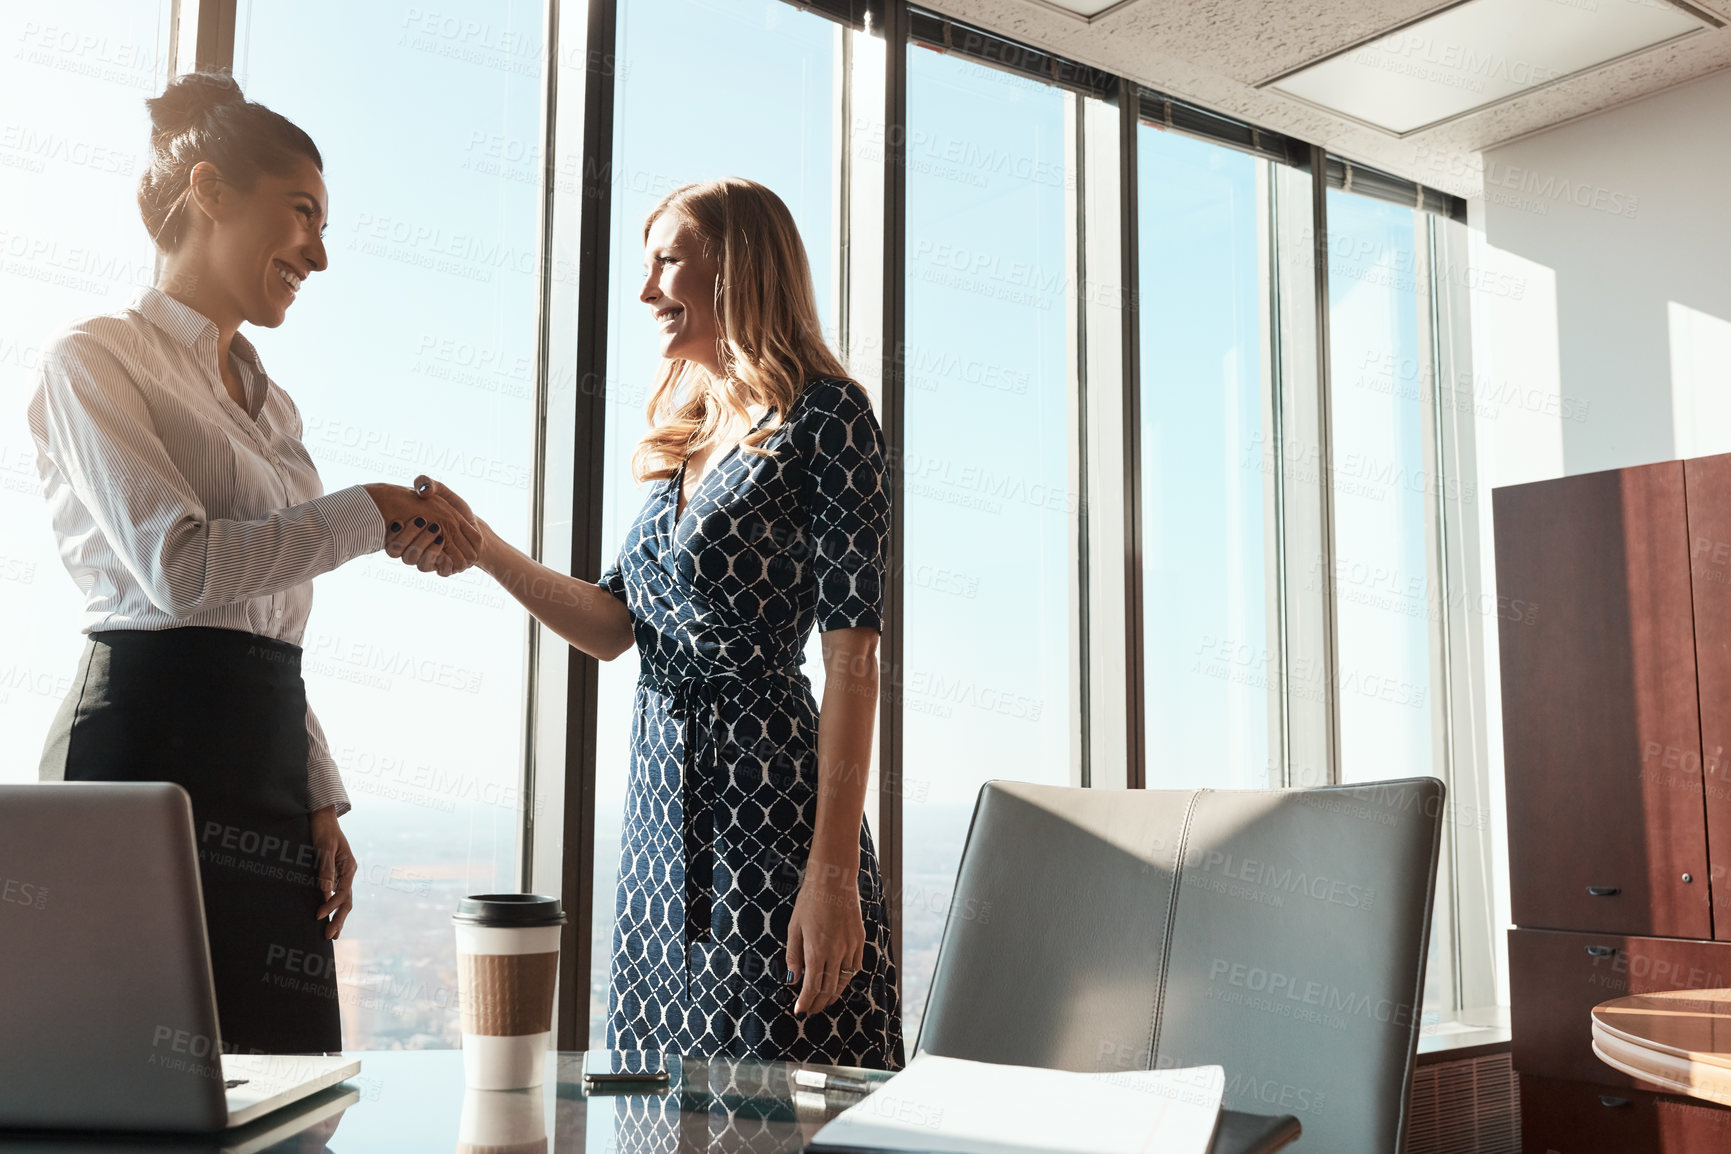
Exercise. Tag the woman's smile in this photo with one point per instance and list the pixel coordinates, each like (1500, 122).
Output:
(290, 276)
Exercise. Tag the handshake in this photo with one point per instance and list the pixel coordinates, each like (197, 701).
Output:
(430, 527)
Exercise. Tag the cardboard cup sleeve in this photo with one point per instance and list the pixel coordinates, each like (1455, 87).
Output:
(506, 995)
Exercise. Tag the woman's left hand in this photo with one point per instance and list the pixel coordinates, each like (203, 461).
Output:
(825, 935)
(337, 869)
(433, 559)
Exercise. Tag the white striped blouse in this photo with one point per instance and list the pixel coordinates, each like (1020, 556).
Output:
(173, 506)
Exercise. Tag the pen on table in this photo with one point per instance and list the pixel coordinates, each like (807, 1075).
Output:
(818, 1080)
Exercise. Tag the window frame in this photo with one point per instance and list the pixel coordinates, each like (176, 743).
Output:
(1108, 748)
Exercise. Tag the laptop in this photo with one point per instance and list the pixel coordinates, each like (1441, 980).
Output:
(107, 1009)
(306, 1125)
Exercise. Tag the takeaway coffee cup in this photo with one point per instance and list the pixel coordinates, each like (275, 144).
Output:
(503, 1122)
(507, 961)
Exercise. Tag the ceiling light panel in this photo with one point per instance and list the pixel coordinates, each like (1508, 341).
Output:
(1479, 53)
(1085, 8)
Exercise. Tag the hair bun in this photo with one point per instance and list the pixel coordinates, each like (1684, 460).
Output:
(189, 97)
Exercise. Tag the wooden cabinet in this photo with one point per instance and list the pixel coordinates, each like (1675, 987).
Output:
(1555, 980)
(1601, 736)
(1560, 1117)
(1707, 481)
(1616, 697)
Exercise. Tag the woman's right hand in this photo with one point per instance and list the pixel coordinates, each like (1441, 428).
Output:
(430, 490)
(429, 534)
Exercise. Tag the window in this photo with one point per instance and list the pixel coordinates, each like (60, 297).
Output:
(415, 353)
(418, 352)
(73, 144)
(772, 122)
(1385, 485)
(1205, 494)
(987, 579)
(1383, 490)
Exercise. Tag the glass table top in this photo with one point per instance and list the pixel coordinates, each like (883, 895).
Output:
(416, 1101)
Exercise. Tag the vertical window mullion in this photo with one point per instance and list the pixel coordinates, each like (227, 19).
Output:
(1098, 463)
(577, 868)
(204, 36)
(1325, 463)
(1135, 731)
(1438, 577)
(1292, 451)
(1076, 427)
(538, 435)
(201, 36)
(859, 240)
(892, 659)
(1475, 894)
(1280, 671)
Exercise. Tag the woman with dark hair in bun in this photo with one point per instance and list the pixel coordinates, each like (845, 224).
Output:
(193, 520)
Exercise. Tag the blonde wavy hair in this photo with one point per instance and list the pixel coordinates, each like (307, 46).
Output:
(766, 310)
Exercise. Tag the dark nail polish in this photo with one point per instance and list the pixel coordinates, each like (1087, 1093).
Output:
(439, 540)
(433, 528)
(787, 976)
(396, 526)
(420, 522)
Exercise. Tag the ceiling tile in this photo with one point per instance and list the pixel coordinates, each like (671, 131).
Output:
(1480, 53)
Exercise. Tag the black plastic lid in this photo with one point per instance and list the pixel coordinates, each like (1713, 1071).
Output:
(509, 911)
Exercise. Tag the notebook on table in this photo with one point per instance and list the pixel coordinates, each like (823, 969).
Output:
(940, 1105)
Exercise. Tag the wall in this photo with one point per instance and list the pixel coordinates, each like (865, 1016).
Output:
(1617, 226)
(1599, 286)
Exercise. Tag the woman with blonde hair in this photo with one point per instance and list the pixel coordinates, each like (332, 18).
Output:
(750, 907)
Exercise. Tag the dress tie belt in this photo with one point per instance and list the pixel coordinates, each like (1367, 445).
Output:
(695, 704)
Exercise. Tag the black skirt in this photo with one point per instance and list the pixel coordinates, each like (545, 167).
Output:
(222, 714)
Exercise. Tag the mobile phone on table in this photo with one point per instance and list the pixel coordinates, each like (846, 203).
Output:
(604, 1067)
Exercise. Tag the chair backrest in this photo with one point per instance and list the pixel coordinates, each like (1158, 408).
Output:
(1281, 934)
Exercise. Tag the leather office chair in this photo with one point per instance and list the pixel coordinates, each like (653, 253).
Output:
(1281, 934)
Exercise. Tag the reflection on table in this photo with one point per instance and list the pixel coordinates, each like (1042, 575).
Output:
(1676, 1039)
(416, 1101)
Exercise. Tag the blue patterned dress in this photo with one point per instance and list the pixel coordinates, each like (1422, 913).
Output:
(722, 797)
